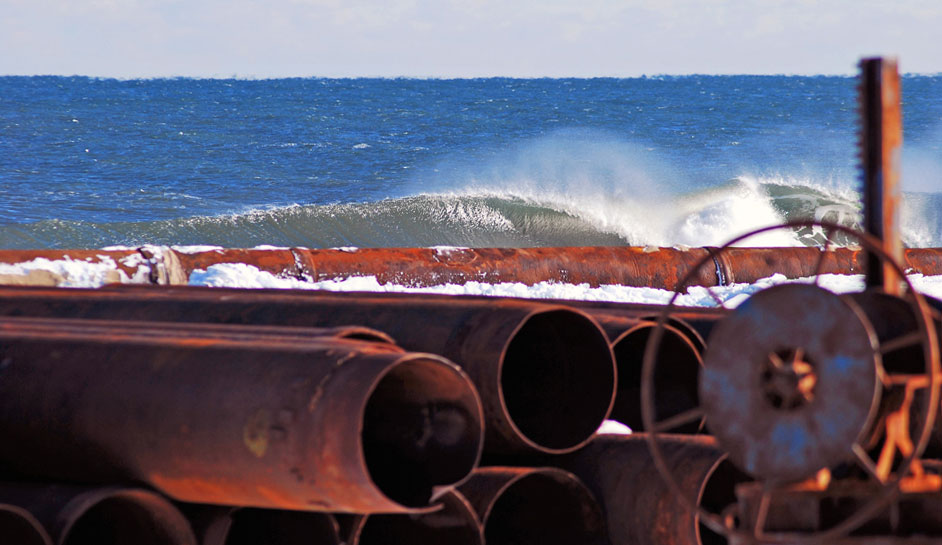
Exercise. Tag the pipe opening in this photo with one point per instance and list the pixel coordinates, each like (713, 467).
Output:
(20, 528)
(718, 492)
(695, 337)
(129, 517)
(557, 379)
(676, 376)
(454, 524)
(544, 509)
(365, 334)
(422, 428)
(252, 526)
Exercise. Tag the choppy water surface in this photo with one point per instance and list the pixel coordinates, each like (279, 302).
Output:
(493, 162)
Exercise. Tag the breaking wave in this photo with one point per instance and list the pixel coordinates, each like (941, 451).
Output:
(509, 218)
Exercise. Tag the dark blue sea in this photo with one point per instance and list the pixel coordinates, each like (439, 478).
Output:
(691, 160)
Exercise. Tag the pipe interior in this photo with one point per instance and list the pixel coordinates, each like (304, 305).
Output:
(422, 428)
(454, 524)
(19, 529)
(123, 519)
(676, 374)
(540, 509)
(557, 379)
(264, 526)
(718, 492)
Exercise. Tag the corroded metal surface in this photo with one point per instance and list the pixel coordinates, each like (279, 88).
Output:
(881, 141)
(799, 510)
(454, 524)
(534, 506)
(206, 331)
(219, 525)
(101, 516)
(639, 506)
(629, 266)
(545, 373)
(790, 382)
(335, 425)
(887, 449)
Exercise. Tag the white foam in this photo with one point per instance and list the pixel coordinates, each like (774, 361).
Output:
(246, 276)
(613, 427)
(71, 273)
(446, 251)
(196, 249)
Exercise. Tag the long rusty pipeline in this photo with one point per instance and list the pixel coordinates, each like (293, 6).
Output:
(534, 506)
(545, 373)
(72, 515)
(639, 507)
(454, 524)
(330, 425)
(220, 525)
(18, 526)
(625, 265)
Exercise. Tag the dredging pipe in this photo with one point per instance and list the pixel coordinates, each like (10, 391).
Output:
(545, 373)
(335, 425)
(534, 506)
(639, 507)
(455, 523)
(219, 525)
(71, 515)
(624, 265)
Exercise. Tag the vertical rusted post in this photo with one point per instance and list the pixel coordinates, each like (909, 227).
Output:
(880, 146)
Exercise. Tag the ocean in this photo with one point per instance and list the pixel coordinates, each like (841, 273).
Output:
(691, 160)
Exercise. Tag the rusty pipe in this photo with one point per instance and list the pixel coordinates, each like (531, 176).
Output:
(334, 425)
(624, 265)
(220, 525)
(538, 506)
(99, 516)
(546, 373)
(676, 379)
(19, 527)
(639, 506)
(630, 266)
(204, 331)
(454, 524)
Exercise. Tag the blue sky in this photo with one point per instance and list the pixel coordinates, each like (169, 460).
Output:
(462, 38)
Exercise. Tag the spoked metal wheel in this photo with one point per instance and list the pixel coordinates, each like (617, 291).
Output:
(791, 388)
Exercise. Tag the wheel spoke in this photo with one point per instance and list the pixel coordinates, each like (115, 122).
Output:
(867, 463)
(686, 417)
(903, 341)
(758, 527)
(819, 266)
(715, 297)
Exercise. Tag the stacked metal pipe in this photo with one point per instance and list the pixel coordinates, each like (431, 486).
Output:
(262, 412)
(357, 418)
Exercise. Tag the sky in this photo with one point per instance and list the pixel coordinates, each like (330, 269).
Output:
(462, 38)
